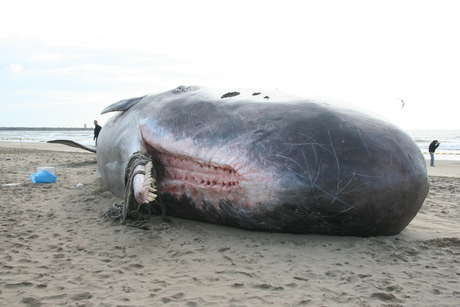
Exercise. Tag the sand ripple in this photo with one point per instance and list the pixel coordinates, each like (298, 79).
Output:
(54, 250)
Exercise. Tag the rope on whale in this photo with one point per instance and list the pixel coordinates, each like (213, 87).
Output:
(129, 207)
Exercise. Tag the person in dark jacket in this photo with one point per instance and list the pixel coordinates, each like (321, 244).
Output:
(97, 129)
(432, 149)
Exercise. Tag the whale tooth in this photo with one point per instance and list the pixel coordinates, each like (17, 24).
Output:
(151, 197)
(152, 189)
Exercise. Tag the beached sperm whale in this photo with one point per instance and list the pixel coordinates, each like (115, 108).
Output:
(264, 161)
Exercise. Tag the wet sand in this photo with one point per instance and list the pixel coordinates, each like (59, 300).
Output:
(56, 250)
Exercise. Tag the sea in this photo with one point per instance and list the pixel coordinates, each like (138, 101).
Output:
(448, 150)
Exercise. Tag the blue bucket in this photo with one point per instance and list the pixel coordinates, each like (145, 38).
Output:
(43, 177)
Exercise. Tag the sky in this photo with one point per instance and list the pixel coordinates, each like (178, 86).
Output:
(62, 62)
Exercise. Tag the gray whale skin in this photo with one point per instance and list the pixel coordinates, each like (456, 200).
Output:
(268, 161)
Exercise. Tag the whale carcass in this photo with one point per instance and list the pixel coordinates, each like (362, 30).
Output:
(263, 160)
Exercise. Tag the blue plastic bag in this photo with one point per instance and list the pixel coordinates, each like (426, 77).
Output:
(43, 177)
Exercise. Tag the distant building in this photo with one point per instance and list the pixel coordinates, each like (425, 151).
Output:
(84, 126)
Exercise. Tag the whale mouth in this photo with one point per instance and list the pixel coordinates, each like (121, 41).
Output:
(207, 174)
(226, 178)
(185, 172)
(195, 178)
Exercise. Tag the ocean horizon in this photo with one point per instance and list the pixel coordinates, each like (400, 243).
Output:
(448, 150)
(45, 128)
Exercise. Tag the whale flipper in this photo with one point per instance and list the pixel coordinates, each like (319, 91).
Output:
(122, 105)
(74, 144)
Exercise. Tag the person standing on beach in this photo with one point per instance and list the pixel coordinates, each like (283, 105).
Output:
(97, 129)
(432, 149)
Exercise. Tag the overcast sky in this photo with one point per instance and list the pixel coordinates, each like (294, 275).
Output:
(62, 62)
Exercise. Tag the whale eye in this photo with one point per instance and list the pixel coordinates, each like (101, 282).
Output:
(343, 141)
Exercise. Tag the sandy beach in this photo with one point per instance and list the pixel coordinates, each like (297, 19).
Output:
(56, 250)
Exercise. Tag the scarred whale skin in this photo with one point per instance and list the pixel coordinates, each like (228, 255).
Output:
(268, 161)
